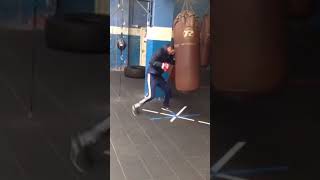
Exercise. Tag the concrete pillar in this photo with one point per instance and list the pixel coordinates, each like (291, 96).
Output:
(160, 32)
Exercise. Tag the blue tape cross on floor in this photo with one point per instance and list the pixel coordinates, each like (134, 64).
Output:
(168, 114)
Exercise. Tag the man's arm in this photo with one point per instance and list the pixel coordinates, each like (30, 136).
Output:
(155, 60)
(172, 60)
(155, 63)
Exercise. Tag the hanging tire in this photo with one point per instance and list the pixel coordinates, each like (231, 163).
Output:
(134, 72)
(83, 32)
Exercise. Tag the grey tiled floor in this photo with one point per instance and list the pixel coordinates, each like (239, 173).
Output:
(142, 149)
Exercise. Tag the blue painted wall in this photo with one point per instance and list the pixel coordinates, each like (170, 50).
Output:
(130, 55)
(134, 50)
(135, 15)
(165, 16)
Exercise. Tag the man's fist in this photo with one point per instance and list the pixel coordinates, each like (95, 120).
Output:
(165, 67)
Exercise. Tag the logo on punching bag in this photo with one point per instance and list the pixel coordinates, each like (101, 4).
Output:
(188, 33)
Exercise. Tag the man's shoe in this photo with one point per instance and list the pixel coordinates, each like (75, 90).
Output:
(78, 155)
(135, 110)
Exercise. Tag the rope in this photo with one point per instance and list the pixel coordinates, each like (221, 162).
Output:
(183, 5)
(120, 80)
(123, 23)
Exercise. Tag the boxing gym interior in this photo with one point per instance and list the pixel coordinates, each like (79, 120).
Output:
(266, 89)
(158, 144)
(61, 72)
(53, 85)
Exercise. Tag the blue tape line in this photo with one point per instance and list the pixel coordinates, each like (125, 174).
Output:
(160, 118)
(256, 171)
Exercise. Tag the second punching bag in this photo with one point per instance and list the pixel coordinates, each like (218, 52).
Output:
(186, 43)
(205, 40)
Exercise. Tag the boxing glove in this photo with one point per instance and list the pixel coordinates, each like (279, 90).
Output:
(165, 67)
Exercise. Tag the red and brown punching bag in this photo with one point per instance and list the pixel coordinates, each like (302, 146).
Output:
(249, 54)
(205, 40)
(187, 45)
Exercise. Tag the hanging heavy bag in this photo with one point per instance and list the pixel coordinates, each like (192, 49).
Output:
(205, 41)
(186, 43)
(251, 57)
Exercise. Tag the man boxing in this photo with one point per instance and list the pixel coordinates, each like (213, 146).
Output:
(160, 62)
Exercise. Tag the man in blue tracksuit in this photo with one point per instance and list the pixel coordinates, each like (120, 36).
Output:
(159, 63)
